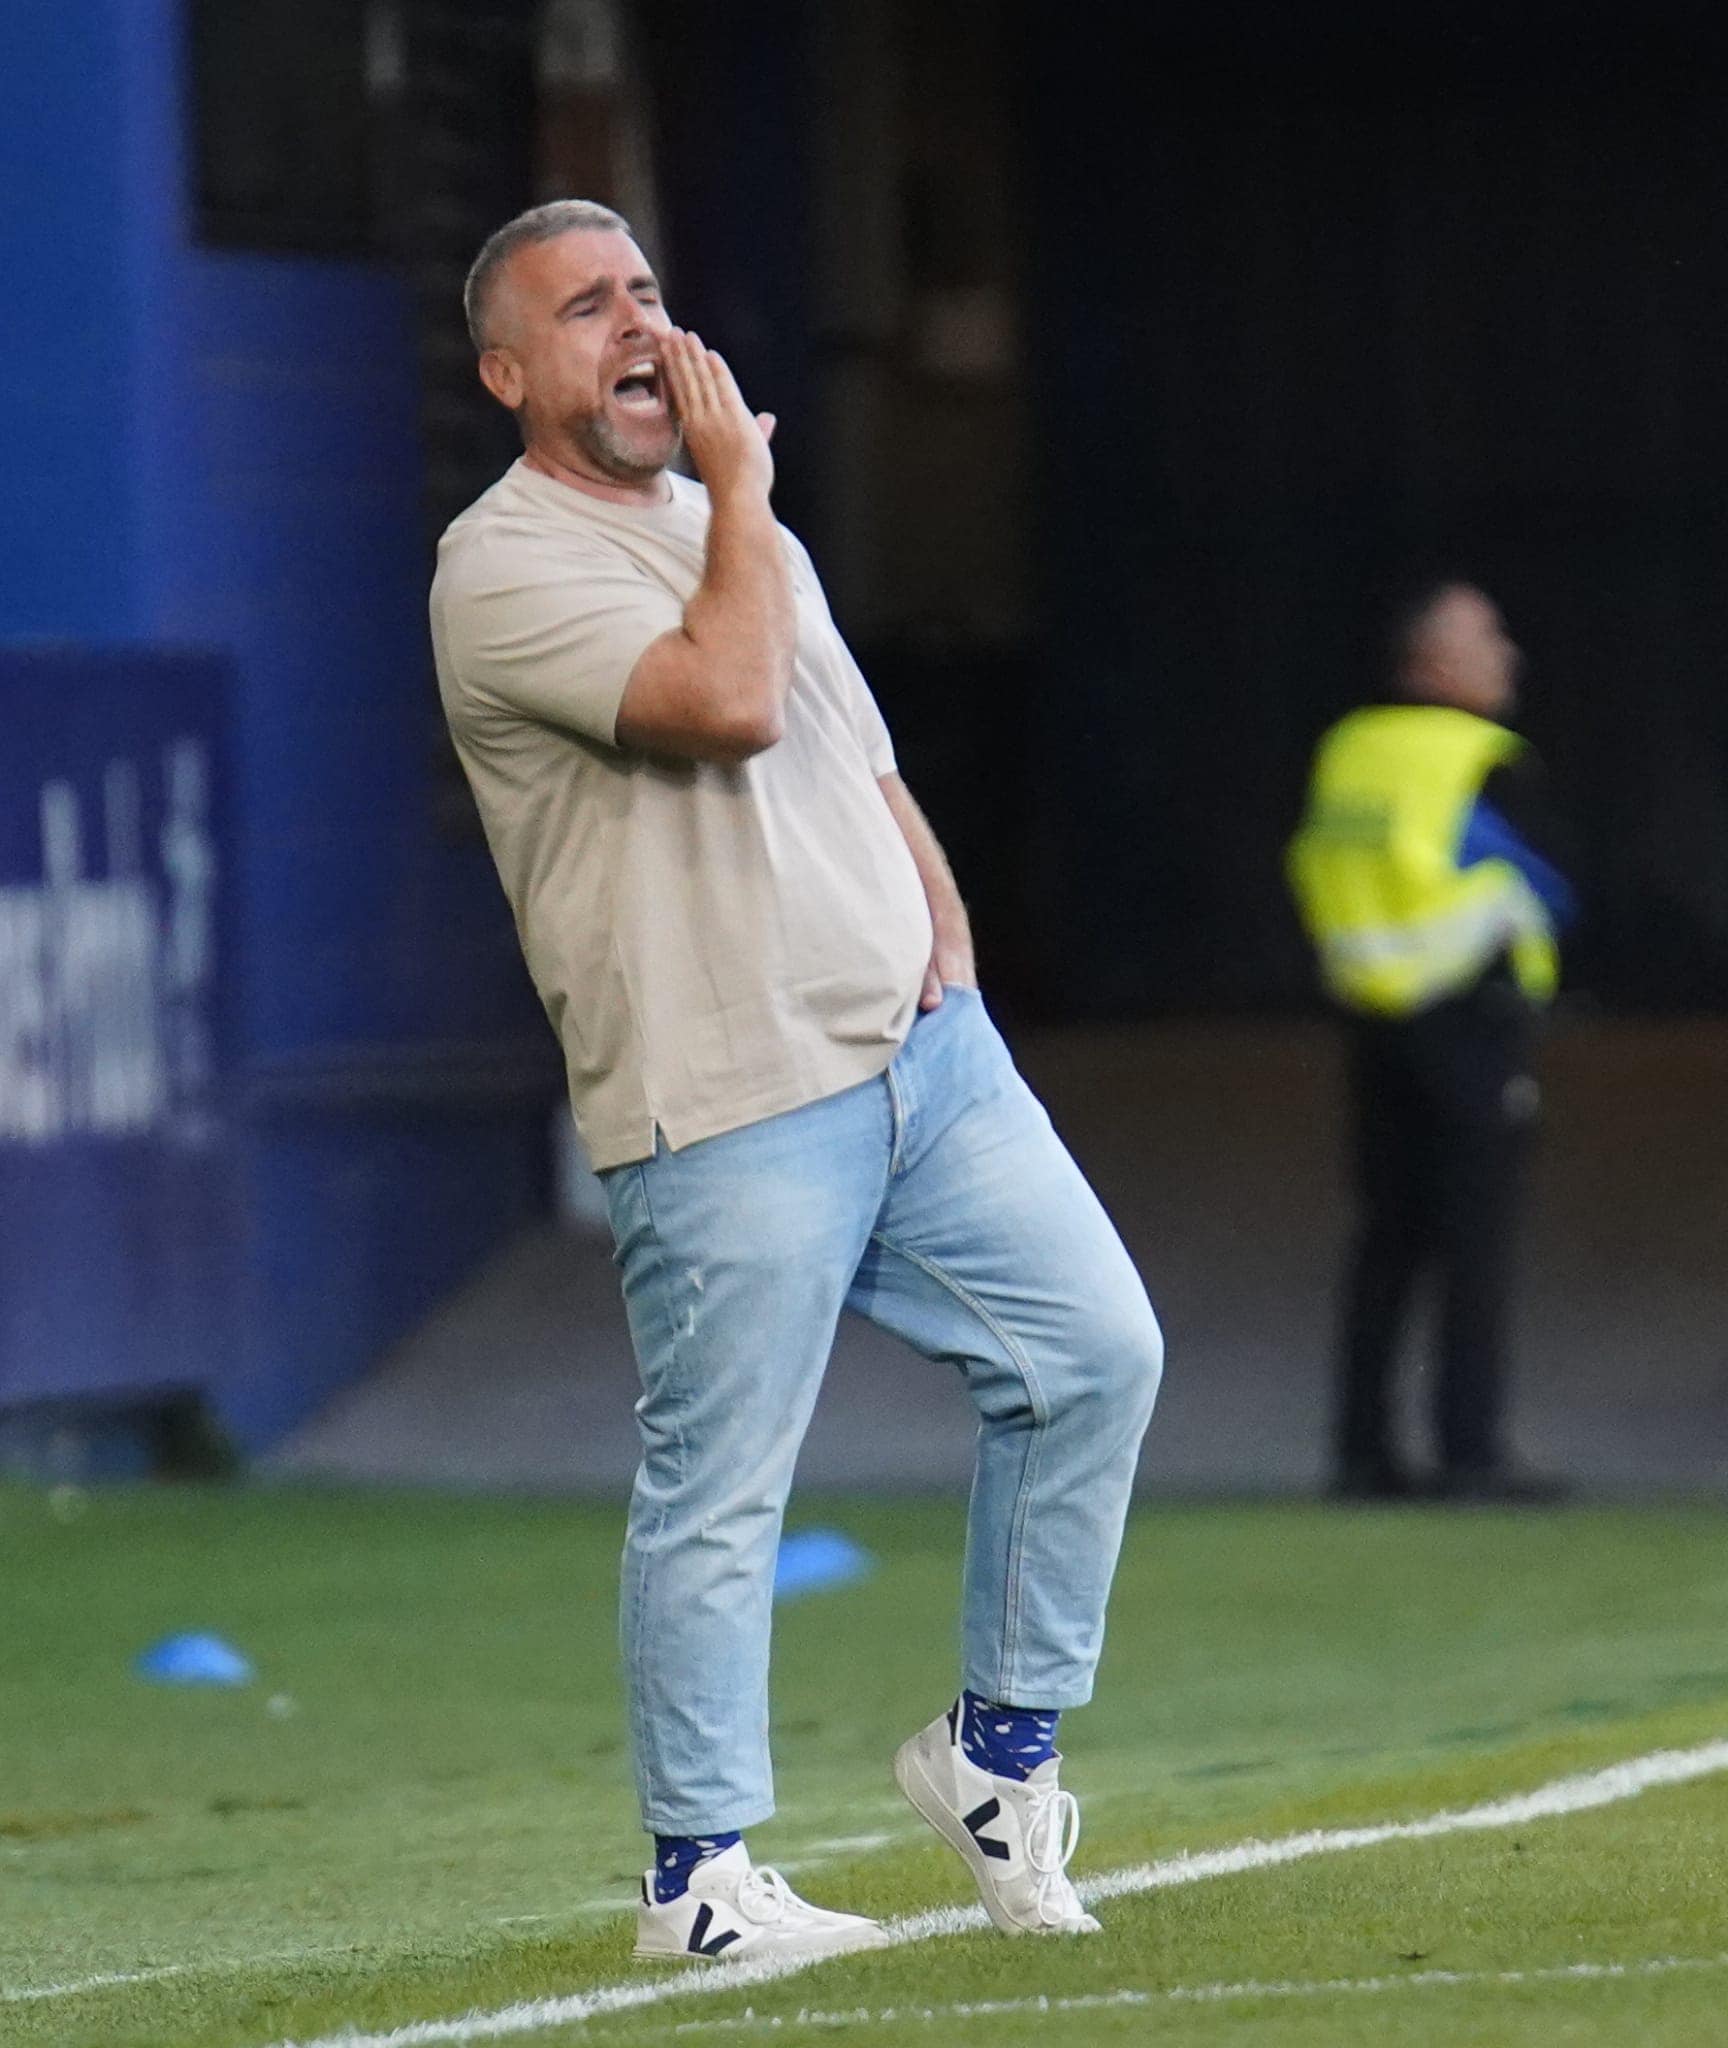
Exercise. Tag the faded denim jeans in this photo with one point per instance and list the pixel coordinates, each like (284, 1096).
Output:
(937, 1201)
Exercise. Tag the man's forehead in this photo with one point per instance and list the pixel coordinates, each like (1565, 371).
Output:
(1461, 604)
(576, 258)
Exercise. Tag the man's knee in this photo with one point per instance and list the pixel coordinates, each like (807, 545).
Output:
(1120, 1366)
(1143, 1363)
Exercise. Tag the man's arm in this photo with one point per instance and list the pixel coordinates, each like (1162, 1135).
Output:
(951, 959)
(1515, 819)
(715, 690)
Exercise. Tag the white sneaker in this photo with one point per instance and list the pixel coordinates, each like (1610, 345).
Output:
(733, 1909)
(1016, 1835)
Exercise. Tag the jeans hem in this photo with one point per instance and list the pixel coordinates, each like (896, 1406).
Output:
(732, 1821)
(1057, 1700)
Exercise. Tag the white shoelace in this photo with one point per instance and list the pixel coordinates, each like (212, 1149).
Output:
(1052, 1835)
(764, 1895)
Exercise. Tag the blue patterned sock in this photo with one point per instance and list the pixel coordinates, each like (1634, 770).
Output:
(676, 1856)
(1010, 1742)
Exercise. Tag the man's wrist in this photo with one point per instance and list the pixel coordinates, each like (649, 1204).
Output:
(741, 497)
(952, 955)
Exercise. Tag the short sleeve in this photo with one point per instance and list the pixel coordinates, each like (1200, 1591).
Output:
(548, 631)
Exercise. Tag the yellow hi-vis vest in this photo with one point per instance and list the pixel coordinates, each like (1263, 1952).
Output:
(1397, 923)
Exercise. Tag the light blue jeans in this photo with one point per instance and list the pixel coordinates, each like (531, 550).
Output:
(937, 1201)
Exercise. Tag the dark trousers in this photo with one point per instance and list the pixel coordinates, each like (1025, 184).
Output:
(1444, 1104)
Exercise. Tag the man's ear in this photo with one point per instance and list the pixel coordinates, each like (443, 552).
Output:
(502, 376)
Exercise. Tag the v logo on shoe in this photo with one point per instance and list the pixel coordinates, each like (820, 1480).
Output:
(978, 1820)
(699, 1945)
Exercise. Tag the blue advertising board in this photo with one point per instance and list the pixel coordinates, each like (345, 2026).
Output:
(116, 1239)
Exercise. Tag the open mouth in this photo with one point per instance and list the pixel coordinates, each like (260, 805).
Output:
(638, 389)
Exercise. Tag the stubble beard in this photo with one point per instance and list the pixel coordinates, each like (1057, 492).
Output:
(615, 457)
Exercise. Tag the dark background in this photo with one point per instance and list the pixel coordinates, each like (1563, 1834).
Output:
(1307, 301)
(1380, 290)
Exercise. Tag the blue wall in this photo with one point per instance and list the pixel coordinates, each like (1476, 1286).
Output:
(69, 515)
(216, 449)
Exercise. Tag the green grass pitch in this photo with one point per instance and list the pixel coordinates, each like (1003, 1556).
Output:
(421, 1809)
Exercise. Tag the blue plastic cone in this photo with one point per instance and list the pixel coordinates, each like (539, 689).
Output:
(816, 1560)
(193, 1660)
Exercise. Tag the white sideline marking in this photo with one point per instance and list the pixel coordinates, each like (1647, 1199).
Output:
(832, 1850)
(1562, 1796)
(1201, 1994)
(583, 1909)
(22, 1994)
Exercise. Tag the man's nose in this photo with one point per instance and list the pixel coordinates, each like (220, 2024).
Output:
(633, 325)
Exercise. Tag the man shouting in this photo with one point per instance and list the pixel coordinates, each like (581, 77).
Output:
(755, 956)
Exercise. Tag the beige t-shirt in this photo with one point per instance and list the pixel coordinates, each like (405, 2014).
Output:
(713, 943)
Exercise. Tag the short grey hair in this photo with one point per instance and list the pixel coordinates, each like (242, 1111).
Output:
(539, 224)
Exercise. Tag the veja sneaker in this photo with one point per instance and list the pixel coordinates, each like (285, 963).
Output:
(734, 1909)
(1015, 1835)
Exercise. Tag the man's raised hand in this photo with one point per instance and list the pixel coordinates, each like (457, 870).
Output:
(728, 444)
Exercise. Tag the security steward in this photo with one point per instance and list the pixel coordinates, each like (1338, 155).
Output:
(1428, 874)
